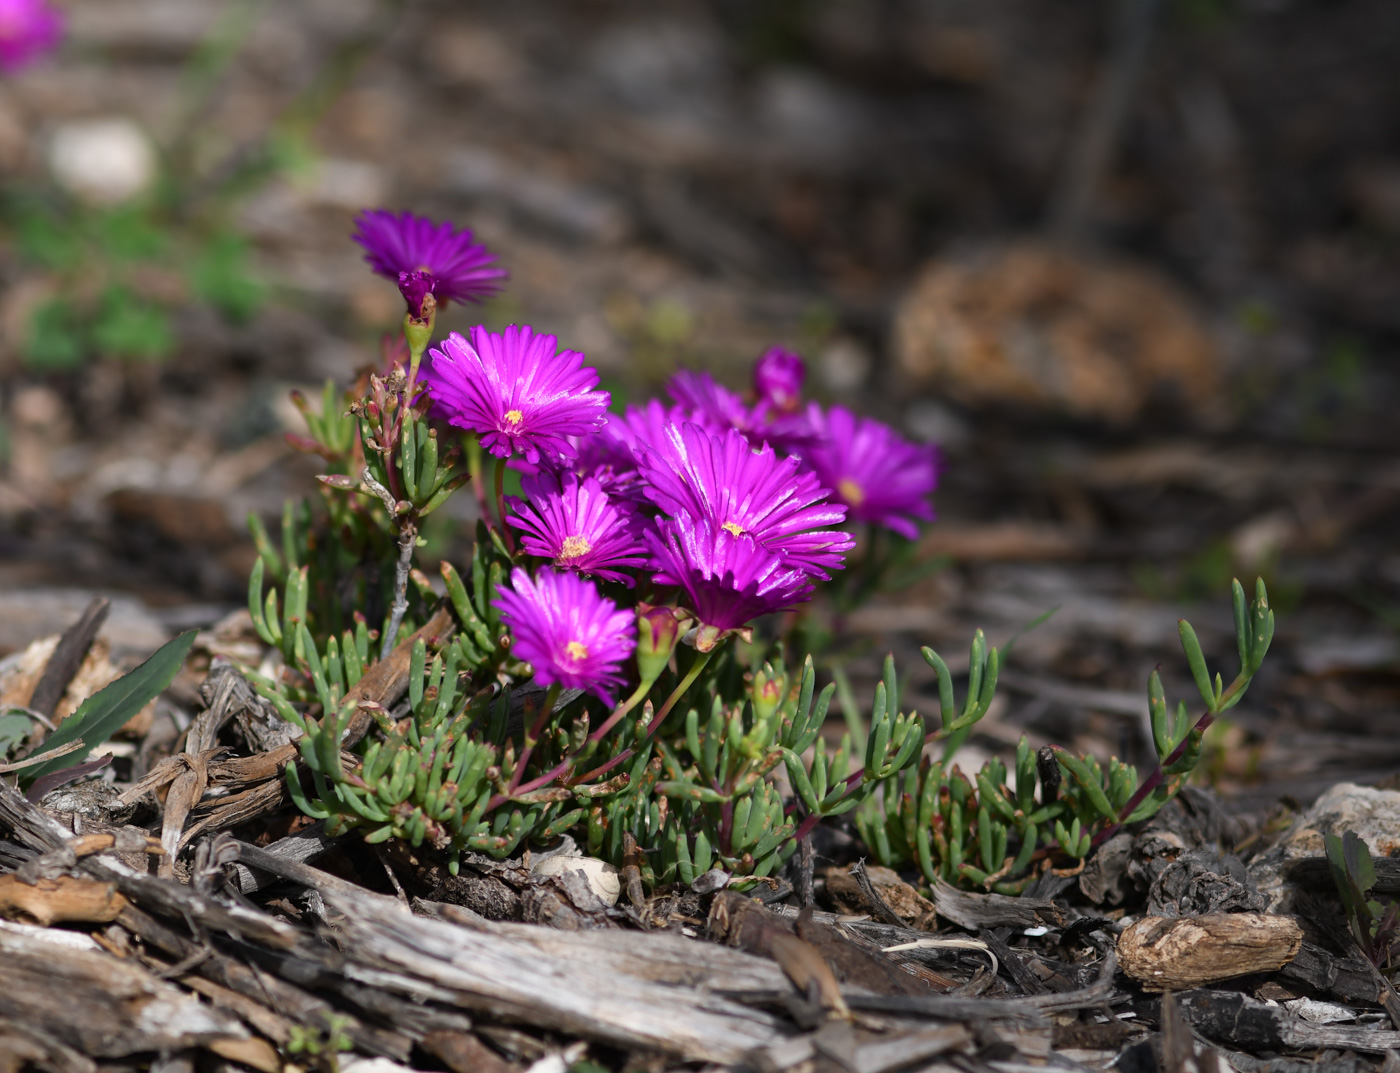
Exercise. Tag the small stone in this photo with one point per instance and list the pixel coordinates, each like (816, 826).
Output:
(1373, 814)
(104, 161)
(602, 877)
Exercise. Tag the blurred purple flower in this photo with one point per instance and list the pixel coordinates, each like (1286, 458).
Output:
(747, 491)
(707, 402)
(573, 522)
(777, 379)
(729, 580)
(882, 477)
(566, 631)
(456, 268)
(515, 392)
(28, 29)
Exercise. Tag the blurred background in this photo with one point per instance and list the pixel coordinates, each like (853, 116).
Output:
(1134, 265)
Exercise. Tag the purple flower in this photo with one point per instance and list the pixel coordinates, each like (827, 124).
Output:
(777, 378)
(415, 286)
(568, 633)
(455, 268)
(882, 477)
(573, 522)
(747, 491)
(28, 28)
(707, 402)
(515, 392)
(730, 580)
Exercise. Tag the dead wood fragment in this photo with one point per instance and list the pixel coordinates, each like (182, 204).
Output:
(260, 987)
(62, 898)
(1347, 979)
(1178, 953)
(303, 847)
(23, 1047)
(742, 922)
(462, 1052)
(100, 1004)
(68, 656)
(1247, 1023)
(977, 911)
(631, 989)
(252, 1052)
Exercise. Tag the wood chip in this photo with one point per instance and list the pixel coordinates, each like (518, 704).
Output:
(1179, 953)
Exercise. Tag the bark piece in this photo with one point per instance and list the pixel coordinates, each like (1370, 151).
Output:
(977, 911)
(743, 922)
(99, 1004)
(1179, 953)
(68, 656)
(1251, 1025)
(62, 898)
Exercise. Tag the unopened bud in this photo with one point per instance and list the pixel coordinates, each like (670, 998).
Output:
(657, 631)
(767, 693)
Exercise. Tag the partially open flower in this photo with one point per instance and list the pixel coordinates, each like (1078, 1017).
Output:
(567, 632)
(747, 492)
(516, 390)
(576, 524)
(729, 580)
(435, 258)
(28, 29)
(882, 477)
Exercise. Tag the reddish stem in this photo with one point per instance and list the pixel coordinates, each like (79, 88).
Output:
(1154, 780)
(604, 768)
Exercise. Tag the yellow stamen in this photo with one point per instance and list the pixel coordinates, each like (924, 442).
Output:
(851, 492)
(514, 417)
(733, 527)
(574, 547)
(576, 650)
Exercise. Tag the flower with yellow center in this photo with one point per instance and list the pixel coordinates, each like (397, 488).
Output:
(514, 417)
(851, 493)
(574, 547)
(576, 650)
(733, 527)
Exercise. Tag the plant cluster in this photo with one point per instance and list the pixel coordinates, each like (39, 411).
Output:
(627, 660)
(1375, 927)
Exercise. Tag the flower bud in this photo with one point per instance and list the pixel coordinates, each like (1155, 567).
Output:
(767, 692)
(657, 630)
(777, 377)
(417, 288)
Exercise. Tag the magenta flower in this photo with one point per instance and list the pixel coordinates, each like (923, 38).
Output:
(747, 491)
(729, 580)
(777, 379)
(516, 391)
(401, 245)
(882, 477)
(574, 522)
(28, 29)
(709, 403)
(566, 631)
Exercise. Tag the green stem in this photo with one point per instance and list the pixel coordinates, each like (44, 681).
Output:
(622, 709)
(701, 658)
